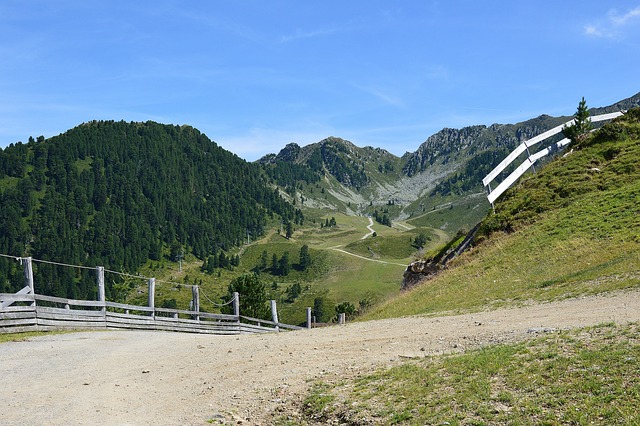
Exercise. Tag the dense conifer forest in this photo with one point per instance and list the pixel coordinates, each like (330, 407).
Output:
(117, 194)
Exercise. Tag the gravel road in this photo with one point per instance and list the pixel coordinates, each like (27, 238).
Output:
(161, 378)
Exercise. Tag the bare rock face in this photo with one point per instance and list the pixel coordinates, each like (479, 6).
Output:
(419, 271)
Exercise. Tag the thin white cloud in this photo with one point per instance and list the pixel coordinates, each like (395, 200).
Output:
(623, 19)
(299, 34)
(593, 31)
(614, 25)
(438, 72)
(383, 95)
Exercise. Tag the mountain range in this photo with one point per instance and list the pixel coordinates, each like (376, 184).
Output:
(451, 162)
(121, 194)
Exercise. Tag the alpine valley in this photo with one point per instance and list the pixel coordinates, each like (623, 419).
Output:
(159, 200)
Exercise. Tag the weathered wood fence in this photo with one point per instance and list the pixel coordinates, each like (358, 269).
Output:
(27, 310)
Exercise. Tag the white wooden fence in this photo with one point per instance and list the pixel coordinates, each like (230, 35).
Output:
(493, 194)
(28, 311)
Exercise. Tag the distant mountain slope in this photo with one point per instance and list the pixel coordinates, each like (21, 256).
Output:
(117, 194)
(337, 157)
(451, 162)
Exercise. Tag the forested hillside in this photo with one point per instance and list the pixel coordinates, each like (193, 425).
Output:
(118, 194)
(339, 157)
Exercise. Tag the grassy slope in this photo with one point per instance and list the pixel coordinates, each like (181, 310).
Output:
(573, 228)
(335, 275)
(452, 213)
(586, 376)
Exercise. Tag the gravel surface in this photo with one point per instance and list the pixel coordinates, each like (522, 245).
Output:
(159, 378)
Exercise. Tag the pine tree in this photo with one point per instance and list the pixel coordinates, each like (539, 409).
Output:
(284, 265)
(305, 258)
(289, 231)
(582, 124)
(252, 295)
(263, 260)
(322, 309)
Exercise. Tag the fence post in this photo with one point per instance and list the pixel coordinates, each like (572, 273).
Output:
(274, 313)
(152, 295)
(28, 277)
(309, 318)
(236, 305)
(100, 279)
(195, 294)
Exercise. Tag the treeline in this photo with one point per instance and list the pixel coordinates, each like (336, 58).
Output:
(334, 155)
(382, 217)
(287, 175)
(117, 194)
(471, 175)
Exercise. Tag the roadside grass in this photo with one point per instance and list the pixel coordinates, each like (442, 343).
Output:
(25, 336)
(581, 376)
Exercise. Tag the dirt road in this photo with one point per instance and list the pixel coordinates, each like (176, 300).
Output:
(141, 378)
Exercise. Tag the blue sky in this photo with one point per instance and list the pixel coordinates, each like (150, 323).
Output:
(256, 75)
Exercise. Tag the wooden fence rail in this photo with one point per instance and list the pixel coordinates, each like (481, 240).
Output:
(28, 311)
(86, 314)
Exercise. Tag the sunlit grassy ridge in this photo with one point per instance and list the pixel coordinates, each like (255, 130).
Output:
(584, 376)
(571, 228)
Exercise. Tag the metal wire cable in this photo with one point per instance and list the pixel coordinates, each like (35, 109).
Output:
(126, 275)
(62, 264)
(219, 305)
(18, 258)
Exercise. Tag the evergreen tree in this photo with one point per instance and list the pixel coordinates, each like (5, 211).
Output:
(582, 124)
(420, 240)
(252, 294)
(293, 292)
(322, 309)
(223, 260)
(263, 260)
(305, 258)
(289, 230)
(284, 265)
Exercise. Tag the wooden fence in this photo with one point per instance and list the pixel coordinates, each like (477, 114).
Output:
(28, 311)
